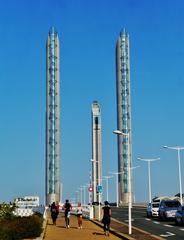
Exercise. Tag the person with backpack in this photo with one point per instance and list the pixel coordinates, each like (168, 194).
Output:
(54, 213)
(67, 208)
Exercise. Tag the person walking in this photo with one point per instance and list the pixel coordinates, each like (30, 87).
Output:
(67, 208)
(57, 206)
(79, 215)
(106, 213)
(54, 213)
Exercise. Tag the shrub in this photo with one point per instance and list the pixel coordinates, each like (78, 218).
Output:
(21, 227)
(6, 211)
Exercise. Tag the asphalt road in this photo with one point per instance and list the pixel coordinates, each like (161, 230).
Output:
(166, 229)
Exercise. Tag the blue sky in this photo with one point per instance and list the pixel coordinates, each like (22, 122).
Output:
(88, 31)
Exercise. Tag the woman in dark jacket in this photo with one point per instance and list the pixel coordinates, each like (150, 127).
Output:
(106, 217)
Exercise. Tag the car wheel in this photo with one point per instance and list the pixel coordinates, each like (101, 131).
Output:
(182, 221)
(160, 217)
(178, 221)
(164, 217)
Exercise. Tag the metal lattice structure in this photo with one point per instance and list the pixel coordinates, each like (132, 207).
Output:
(52, 118)
(123, 112)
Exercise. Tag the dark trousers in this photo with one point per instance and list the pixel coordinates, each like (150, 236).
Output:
(67, 219)
(106, 222)
(106, 227)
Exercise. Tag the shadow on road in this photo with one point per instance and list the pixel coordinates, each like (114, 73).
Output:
(97, 233)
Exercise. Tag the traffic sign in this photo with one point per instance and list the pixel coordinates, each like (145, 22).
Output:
(90, 189)
(99, 188)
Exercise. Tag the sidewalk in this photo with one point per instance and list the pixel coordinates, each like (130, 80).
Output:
(89, 231)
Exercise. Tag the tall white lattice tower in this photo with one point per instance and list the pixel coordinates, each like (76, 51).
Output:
(123, 113)
(52, 118)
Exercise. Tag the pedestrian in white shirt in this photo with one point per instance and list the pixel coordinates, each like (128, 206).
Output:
(79, 215)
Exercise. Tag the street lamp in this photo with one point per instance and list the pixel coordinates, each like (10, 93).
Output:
(118, 132)
(107, 185)
(178, 148)
(80, 194)
(132, 168)
(149, 160)
(117, 188)
(84, 188)
(77, 195)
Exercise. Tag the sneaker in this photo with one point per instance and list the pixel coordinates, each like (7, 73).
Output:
(80, 227)
(68, 226)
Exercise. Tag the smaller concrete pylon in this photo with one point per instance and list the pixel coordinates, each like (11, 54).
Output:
(96, 152)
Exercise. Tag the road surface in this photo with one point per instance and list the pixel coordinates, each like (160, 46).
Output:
(167, 229)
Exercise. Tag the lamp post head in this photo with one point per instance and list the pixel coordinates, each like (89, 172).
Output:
(175, 147)
(148, 159)
(165, 146)
(117, 132)
(107, 177)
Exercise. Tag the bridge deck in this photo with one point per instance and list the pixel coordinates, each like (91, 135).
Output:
(60, 232)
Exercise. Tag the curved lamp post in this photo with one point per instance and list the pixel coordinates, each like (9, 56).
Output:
(118, 132)
(178, 148)
(106, 178)
(149, 160)
(117, 189)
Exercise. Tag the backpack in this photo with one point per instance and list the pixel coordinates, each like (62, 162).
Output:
(54, 210)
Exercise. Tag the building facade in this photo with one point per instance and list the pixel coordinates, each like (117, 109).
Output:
(52, 118)
(123, 113)
(27, 206)
(96, 152)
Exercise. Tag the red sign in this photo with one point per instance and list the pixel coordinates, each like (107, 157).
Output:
(90, 189)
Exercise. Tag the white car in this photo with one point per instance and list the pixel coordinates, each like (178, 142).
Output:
(152, 209)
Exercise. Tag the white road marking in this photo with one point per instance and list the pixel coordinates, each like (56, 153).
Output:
(156, 222)
(168, 234)
(147, 219)
(168, 226)
(182, 229)
(128, 220)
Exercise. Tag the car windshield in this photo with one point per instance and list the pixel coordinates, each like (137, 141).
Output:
(155, 205)
(172, 204)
